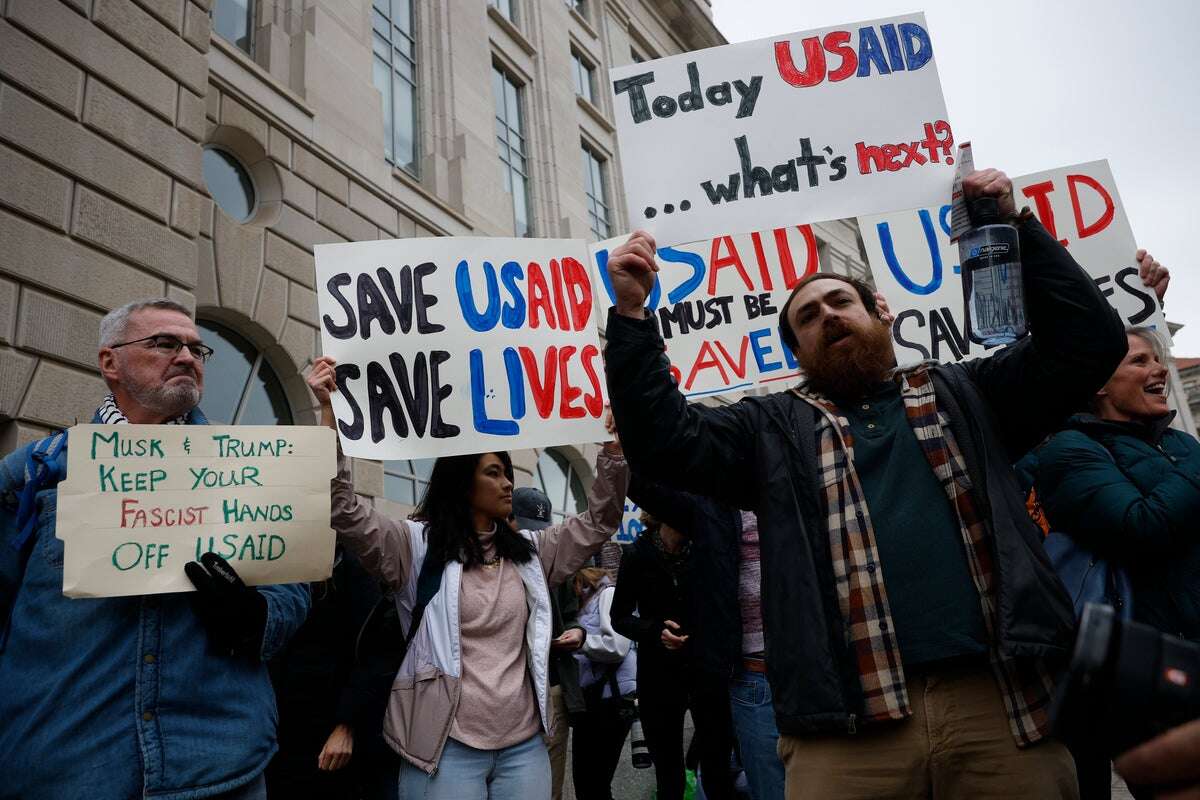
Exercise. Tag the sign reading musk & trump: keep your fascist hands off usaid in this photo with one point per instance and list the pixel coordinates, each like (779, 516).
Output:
(825, 124)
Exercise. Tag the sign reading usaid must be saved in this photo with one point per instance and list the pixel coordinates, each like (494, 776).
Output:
(140, 501)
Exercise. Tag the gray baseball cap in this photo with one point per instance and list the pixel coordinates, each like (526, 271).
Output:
(531, 509)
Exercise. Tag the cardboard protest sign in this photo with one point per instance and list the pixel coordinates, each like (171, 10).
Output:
(717, 304)
(823, 124)
(917, 268)
(447, 346)
(140, 501)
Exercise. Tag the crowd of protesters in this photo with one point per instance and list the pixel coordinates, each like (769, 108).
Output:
(841, 584)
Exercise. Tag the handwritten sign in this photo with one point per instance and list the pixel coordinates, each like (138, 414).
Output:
(631, 524)
(140, 501)
(461, 345)
(811, 126)
(717, 306)
(917, 267)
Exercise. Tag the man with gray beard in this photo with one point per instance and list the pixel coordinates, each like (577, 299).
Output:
(112, 698)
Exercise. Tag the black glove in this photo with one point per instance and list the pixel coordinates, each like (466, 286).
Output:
(234, 614)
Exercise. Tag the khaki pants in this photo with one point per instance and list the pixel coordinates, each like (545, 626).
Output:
(957, 744)
(556, 742)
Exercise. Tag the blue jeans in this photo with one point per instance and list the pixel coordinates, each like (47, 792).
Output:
(518, 772)
(758, 738)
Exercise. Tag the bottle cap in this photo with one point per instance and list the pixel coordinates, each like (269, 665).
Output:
(984, 211)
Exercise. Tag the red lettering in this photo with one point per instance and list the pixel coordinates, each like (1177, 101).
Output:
(1039, 193)
(1105, 219)
(560, 304)
(812, 264)
(705, 359)
(676, 375)
(594, 401)
(739, 368)
(835, 43)
(539, 297)
(814, 63)
(543, 390)
(569, 393)
(579, 292)
(125, 509)
(716, 262)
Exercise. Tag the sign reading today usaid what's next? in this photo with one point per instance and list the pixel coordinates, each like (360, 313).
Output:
(819, 125)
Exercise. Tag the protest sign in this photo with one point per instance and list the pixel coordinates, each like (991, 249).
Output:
(447, 346)
(717, 305)
(140, 501)
(631, 524)
(917, 268)
(823, 124)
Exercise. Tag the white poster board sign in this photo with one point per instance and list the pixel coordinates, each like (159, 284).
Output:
(140, 501)
(916, 267)
(717, 305)
(447, 345)
(810, 126)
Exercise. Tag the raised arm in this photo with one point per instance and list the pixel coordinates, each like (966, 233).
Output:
(1087, 496)
(700, 449)
(563, 548)
(1076, 338)
(380, 543)
(671, 506)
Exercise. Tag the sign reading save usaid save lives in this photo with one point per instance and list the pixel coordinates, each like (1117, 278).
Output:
(140, 501)
(811, 126)
(916, 267)
(447, 346)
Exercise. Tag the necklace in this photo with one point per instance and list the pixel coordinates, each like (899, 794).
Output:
(491, 563)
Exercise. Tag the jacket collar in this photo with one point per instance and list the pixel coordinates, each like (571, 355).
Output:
(1151, 432)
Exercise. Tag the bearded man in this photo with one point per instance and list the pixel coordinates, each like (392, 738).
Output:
(163, 696)
(912, 620)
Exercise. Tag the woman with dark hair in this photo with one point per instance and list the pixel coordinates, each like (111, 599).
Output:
(470, 702)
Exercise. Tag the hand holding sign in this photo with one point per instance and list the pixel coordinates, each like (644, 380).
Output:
(1154, 275)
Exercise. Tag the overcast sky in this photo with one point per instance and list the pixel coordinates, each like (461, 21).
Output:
(1040, 84)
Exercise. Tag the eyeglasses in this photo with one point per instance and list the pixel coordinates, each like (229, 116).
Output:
(169, 345)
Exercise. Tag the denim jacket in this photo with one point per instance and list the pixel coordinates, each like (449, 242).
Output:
(122, 697)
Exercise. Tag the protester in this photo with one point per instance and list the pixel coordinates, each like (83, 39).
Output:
(471, 699)
(898, 563)
(729, 645)
(655, 606)
(608, 676)
(532, 512)
(161, 695)
(326, 708)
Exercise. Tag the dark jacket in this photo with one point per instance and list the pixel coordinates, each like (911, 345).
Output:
(715, 531)
(647, 587)
(760, 454)
(1130, 492)
(564, 669)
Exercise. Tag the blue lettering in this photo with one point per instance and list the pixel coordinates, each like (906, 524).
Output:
(683, 290)
(790, 359)
(870, 51)
(761, 350)
(915, 35)
(893, 47)
(602, 264)
(935, 255)
(516, 382)
(466, 301)
(513, 315)
(479, 415)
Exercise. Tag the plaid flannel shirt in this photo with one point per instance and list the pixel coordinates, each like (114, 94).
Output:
(1025, 685)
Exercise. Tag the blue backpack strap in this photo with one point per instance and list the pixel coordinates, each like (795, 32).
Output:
(42, 471)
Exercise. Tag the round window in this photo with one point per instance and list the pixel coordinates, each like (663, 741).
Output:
(229, 183)
(240, 388)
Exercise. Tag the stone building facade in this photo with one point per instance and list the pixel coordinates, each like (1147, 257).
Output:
(309, 121)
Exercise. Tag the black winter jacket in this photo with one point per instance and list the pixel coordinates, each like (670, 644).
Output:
(715, 531)
(760, 454)
(644, 585)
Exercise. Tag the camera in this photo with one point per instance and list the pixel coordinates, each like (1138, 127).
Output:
(1127, 682)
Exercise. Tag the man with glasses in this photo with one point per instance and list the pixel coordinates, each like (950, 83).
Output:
(159, 695)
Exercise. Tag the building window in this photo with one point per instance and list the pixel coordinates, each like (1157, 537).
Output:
(394, 71)
(233, 21)
(578, 6)
(240, 388)
(510, 138)
(229, 183)
(406, 481)
(597, 196)
(561, 483)
(507, 9)
(584, 77)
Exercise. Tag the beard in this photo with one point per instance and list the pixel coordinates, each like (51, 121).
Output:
(168, 400)
(856, 366)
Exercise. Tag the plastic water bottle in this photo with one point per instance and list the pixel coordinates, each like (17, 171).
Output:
(638, 751)
(990, 254)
